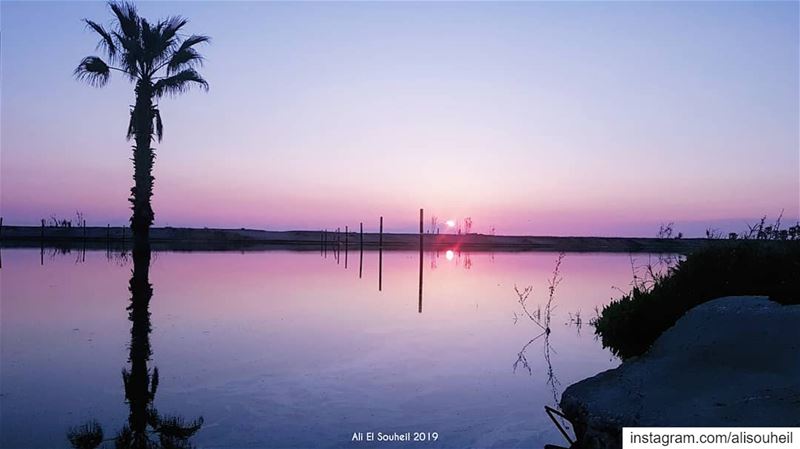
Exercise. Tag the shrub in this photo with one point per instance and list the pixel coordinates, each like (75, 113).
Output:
(630, 324)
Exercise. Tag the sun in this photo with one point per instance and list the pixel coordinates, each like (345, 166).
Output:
(451, 223)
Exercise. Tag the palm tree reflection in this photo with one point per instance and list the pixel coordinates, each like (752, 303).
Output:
(146, 427)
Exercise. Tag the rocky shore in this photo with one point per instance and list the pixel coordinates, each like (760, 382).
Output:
(733, 361)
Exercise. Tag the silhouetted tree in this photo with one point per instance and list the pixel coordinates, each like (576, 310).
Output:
(159, 62)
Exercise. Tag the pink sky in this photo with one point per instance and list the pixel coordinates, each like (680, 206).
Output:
(540, 118)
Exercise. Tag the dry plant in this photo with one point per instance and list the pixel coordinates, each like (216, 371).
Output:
(539, 317)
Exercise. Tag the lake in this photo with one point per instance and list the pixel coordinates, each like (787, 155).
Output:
(286, 349)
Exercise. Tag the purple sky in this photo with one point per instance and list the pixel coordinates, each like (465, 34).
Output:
(535, 118)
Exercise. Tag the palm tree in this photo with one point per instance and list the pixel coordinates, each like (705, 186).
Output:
(159, 62)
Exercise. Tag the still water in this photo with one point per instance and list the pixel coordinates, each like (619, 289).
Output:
(287, 349)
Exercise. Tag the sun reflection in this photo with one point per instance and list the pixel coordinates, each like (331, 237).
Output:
(449, 254)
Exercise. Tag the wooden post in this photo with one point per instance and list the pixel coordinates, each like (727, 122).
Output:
(1, 228)
(325, 245)
(346, 243)
(421, 233)
(41, 245)
(84, 230)
(380, 257)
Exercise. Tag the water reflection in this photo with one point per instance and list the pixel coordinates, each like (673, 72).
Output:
(146, 427)
(542, 317)
(299, 354)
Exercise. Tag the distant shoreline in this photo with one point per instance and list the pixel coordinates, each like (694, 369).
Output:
(250, 239)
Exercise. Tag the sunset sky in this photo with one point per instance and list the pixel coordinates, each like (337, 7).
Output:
(604, 118)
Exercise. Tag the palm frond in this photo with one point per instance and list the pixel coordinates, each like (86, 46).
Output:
(154, 377)
(131, 128)
(131, 56)
(186, 56)
(124, 437)
(194, 39)
(127, 18)
(87, 436)
(178, 428)
(179, 83)
(159, 135)
(106, 41)
(161, 41)
(93, 70)
(171, 26)
(149, 37)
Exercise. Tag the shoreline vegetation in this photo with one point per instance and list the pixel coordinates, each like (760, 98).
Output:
(251, 239)
(629, 325)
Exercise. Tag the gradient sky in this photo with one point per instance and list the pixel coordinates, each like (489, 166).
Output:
(536, 118)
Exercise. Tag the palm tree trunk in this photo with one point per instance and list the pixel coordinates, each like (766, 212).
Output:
(143, 157)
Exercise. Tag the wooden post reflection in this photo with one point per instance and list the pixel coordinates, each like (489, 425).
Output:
(360, 249)
(346, 242)
(380, 257)
(420, 260)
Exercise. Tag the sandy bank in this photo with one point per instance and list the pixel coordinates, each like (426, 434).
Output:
(207, 238)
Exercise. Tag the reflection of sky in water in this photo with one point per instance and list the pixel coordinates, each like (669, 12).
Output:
(288, 349)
